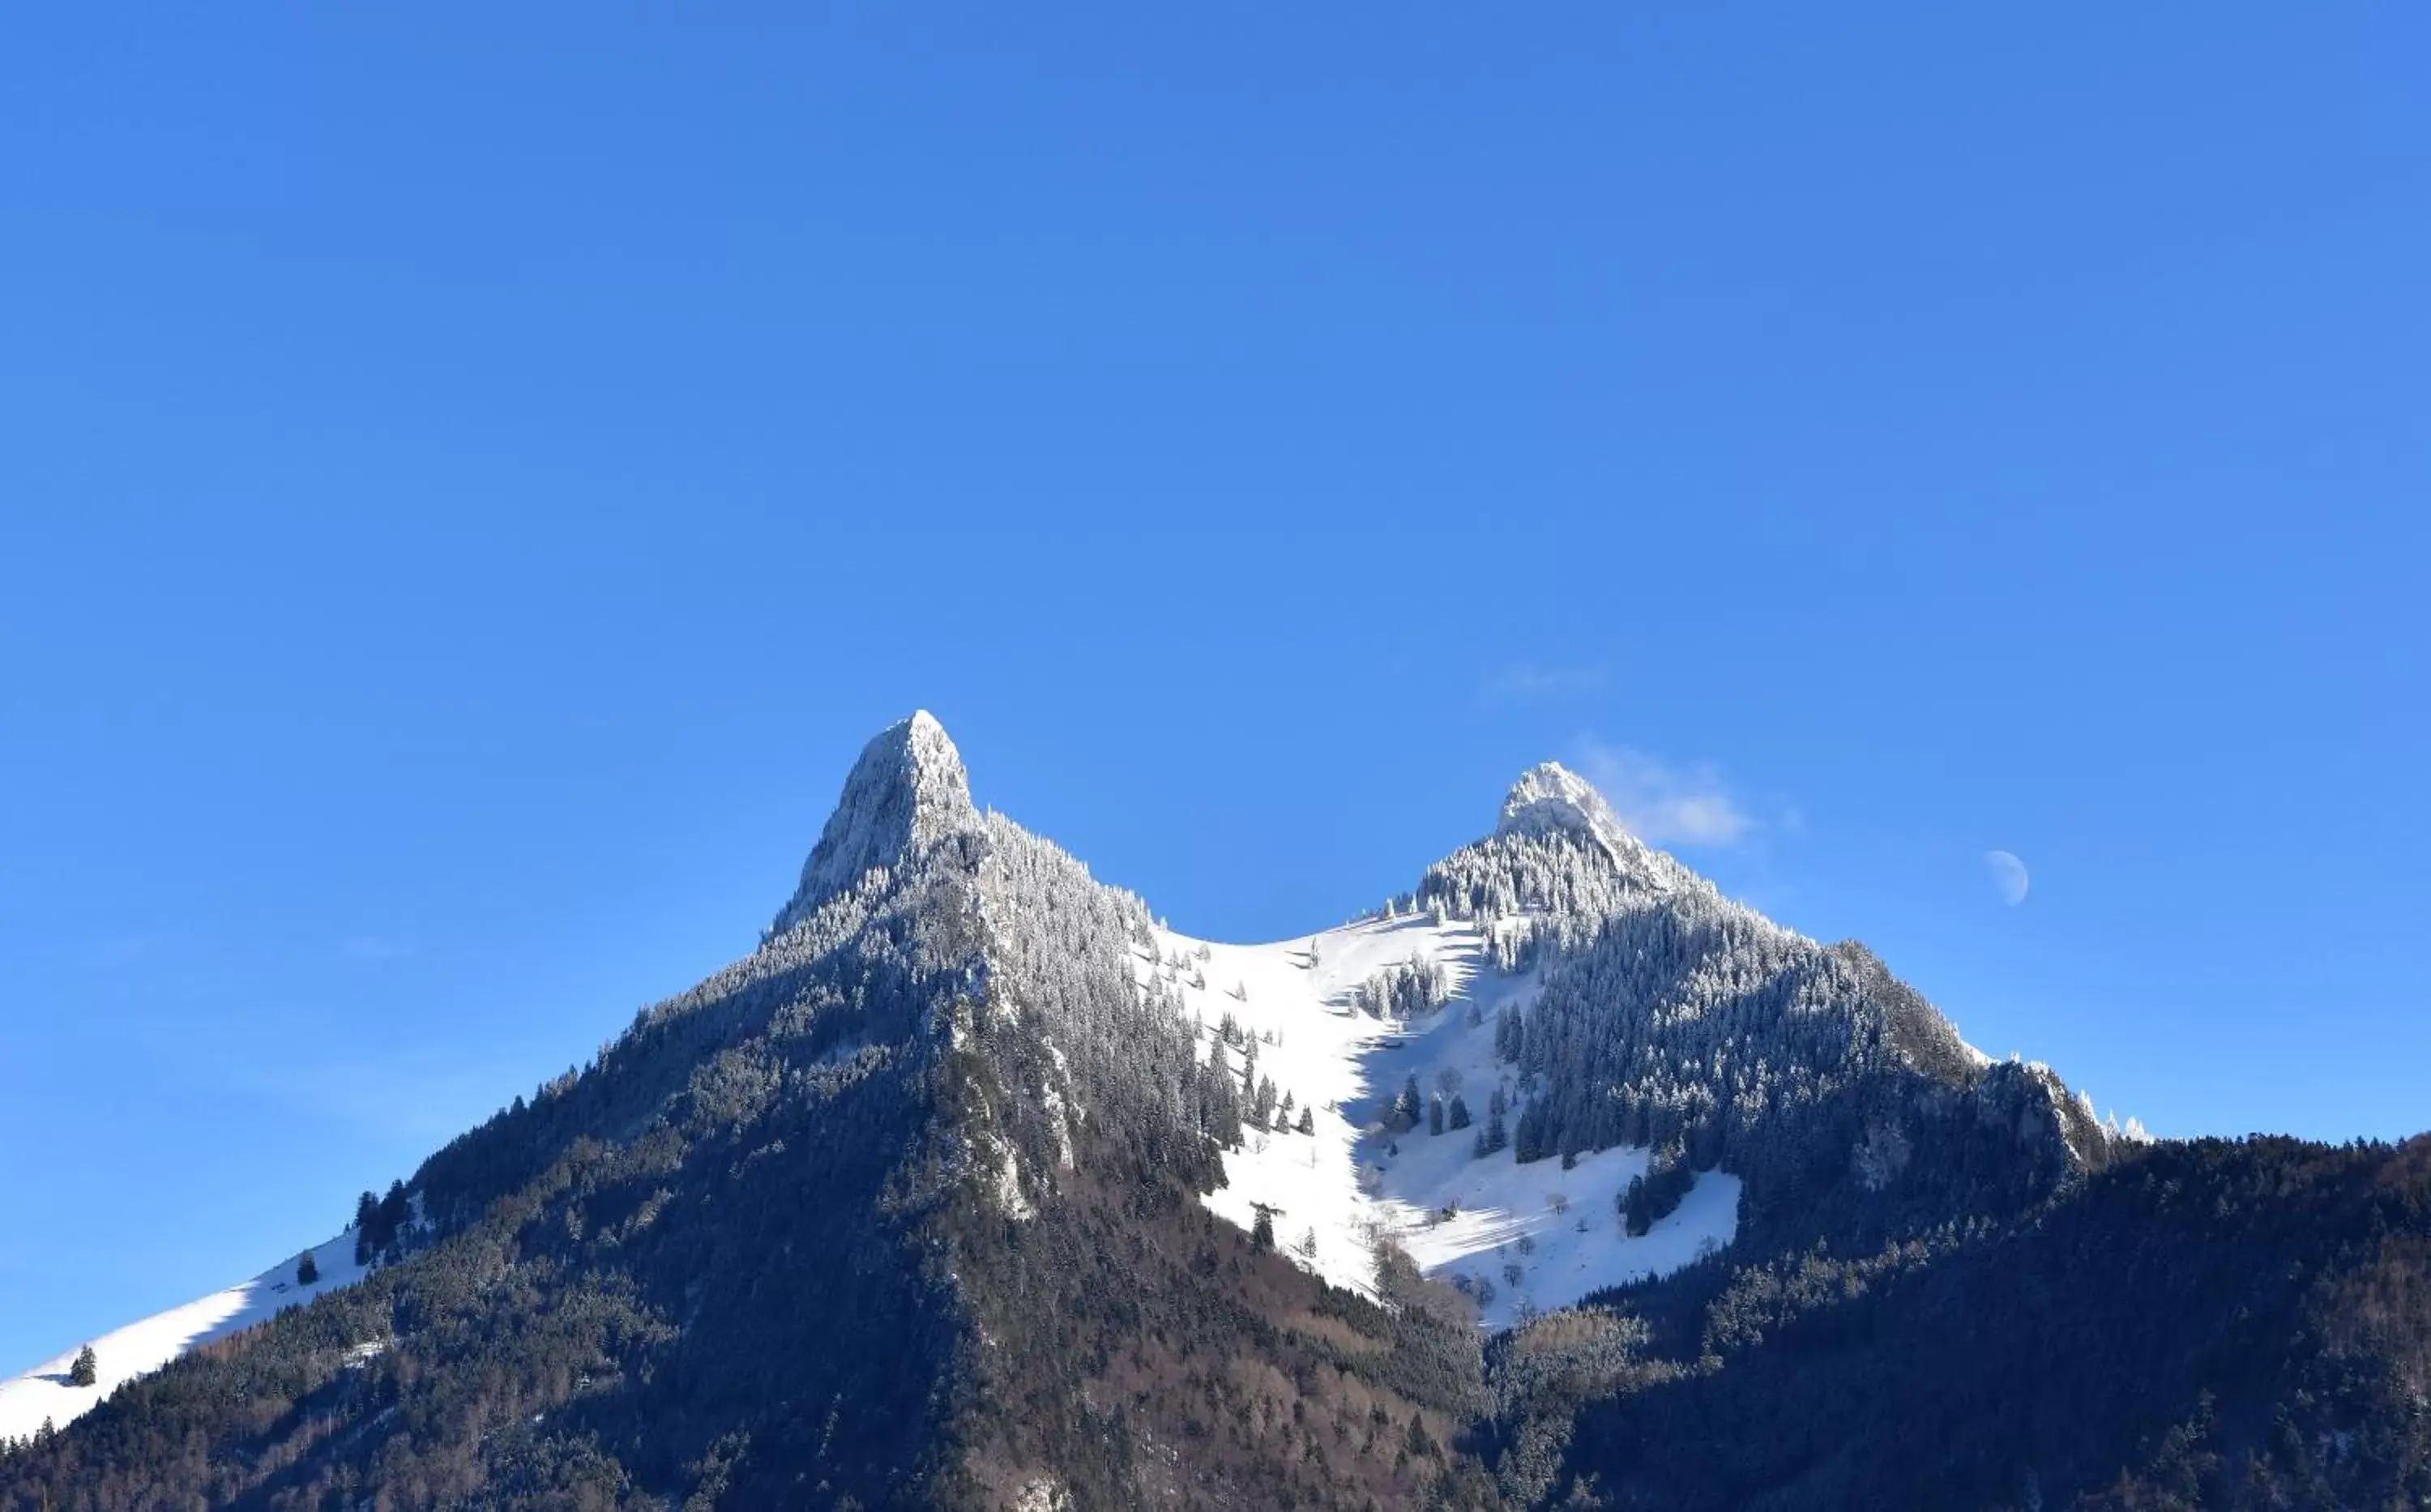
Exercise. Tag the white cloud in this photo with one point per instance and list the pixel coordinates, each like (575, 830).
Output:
(1521, 681)
(1663, 804)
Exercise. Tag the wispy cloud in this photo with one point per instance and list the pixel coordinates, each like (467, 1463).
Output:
(1519, 681)
(1661, 802)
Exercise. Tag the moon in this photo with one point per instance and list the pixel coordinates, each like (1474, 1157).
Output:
(2008, 875)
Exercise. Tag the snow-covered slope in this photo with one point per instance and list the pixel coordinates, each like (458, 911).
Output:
(44, 1393)
(1481, 1220)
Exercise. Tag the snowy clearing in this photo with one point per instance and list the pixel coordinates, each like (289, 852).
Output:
(1462, 1217)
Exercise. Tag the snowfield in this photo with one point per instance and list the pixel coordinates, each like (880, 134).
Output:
(42, 1394)
(1518, 1239)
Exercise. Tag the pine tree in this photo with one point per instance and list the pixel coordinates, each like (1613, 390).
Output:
(1529, 1134)
(308, 1270)
(1496, 1137)
(377, 1223)
(1307, 1121)
(1261, 1230)
(1510, 1035)
(87, 1369)
(1456, 1116)
(1436, 1115)
(1220, 1099)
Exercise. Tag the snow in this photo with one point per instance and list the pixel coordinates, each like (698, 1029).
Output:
(1351, 1181)
(44, 1393)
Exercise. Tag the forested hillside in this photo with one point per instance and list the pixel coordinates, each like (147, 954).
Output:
(2209, 1325)
(897, 1211)
(924, 1204)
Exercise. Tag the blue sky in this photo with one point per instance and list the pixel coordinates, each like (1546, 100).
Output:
(470, 486)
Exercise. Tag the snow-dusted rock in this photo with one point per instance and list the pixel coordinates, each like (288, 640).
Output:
(1550, 797)
(908, 790)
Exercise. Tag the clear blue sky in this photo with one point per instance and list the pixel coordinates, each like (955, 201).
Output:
(470, 486)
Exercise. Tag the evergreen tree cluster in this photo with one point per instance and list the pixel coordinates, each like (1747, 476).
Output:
(2211, 1323)
(1496, 1136)
(382, 1225)
(1654, 1195)
(1069, 1025)
(1405, 989)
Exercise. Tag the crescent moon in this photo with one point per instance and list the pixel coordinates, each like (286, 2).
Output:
(2008, 875)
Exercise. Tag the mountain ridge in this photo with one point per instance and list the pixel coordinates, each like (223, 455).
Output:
(974, 1186)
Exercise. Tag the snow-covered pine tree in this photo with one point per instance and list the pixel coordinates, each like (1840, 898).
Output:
(1495, 1136)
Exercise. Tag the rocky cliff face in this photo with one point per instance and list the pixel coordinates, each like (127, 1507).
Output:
(907, 791)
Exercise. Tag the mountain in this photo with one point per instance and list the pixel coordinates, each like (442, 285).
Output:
(1561, 1180)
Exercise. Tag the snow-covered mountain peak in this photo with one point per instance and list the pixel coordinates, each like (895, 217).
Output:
(908, 790)
(1549, 798)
